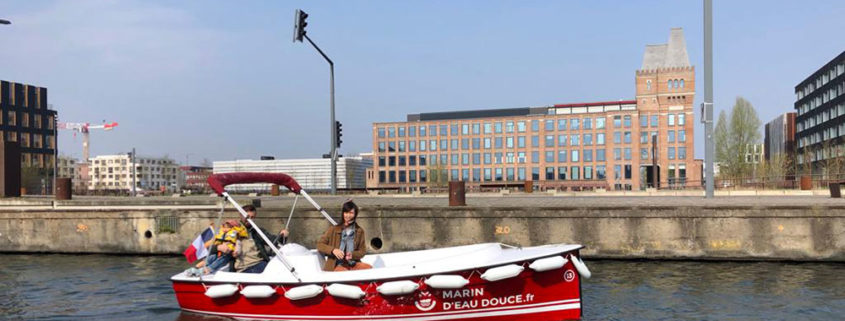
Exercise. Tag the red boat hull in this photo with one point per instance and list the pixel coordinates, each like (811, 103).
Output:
(548, 295)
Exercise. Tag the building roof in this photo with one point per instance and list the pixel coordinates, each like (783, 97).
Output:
(667, 55)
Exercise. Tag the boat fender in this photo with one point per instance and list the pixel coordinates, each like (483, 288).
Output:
(398, 287)
(221, 291)
(258, 291)
(580, 266)
(303, 292)
(502, 272)
(549, 263)
(446, 281)
(345, 291)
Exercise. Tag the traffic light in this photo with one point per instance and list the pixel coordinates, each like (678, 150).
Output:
(338, 131)
(299, 25)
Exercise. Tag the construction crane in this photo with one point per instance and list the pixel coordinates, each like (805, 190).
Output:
(85, 128)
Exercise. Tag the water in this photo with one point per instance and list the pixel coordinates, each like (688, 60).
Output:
(71, 287)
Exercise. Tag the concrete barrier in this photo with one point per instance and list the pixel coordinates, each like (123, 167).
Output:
(754, 232)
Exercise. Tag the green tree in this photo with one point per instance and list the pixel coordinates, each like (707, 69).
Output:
(733, 139)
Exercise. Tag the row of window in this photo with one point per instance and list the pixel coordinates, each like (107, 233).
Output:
(495, 174)
(24, 100)
(520, 141)
(28, 140)
(670, 84)
(824, 135)
(822, 98)
(821, 80)
(820, 118)
(12, 120)
(560, 156)
(510, 126)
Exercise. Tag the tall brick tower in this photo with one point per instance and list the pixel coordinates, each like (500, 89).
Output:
(665, 93)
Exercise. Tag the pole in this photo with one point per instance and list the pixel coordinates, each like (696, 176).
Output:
(133, 173)
(709, 150)
(333, 153)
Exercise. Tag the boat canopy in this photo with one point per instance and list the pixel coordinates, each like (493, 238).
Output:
(219, 181)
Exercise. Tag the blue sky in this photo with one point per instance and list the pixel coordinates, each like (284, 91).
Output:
(221, 80)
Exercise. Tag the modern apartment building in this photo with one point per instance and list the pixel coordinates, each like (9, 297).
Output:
(625, 144)
(26, 118)
(311, 174)
(820, 107)
(114, 173)
(779, 138)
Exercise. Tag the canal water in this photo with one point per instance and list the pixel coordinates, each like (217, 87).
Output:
(97, 287)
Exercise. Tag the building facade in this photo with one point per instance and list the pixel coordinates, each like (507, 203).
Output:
(195, 178)
(779, 137)
(311, 174)
(625, 144)
(114, 173)
(27, 118)
(820, 119)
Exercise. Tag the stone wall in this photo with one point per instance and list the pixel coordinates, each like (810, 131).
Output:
(799, 233)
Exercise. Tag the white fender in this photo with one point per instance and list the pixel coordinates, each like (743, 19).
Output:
(221, 291)
(345, 291)
(502, 272)
(303, 292)
(446, 281)
(580, 266)
(397, 287)
(549, 263)
(258, 291)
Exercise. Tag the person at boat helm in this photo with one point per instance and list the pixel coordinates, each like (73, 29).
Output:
(343, 245)
(251, 254)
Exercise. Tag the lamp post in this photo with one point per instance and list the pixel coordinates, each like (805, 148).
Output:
(298, 34)
(707, 105)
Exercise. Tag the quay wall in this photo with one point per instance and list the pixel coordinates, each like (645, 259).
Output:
(725, 232)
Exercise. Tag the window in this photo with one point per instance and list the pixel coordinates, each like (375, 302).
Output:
(653, 120)
(600, 123)
(423, 145)
(381, 146)
(682, 83)
(627, 137)
(412, 146)
(402, 131)
(627, 153)
(682, 135)
(561, 156)
(671, 119)
(671, 137)
(509, 142)
(455, 159)
(627, 121)
(391, 132)
(561, 140)
(465, 159)
(412, 131)
(488, 158)
(509, 127)
(561, 173)
(402, 146)
(575, 124)
(575, 156)
(643, 137)
(550, 140)
(588, 123)
(422, 134)
(444, 130)
(498, 142)
(671, 154)
(476, 129)
(454, 129)
(643, 121)
(476, 143)
(550, 125)
(520, 141)
(669, 84)
(381, 132)
(535, 125)
(498, 174)
(681, 120)
(600, 155)
(588, 155)
(600, 139)
(535, 173)
(588, 172)
(561, 124)
(465, 129)
(643, 153)
(498, 127)
(575, 173)
(465, 143)
(487, 143)
(550, 157)
(550, 173)
(433, 145)
(601, 172)
(682, 152)
(488, 175)
(617, 154)
(617, 121)
(444, 144)
(648, 85)
(454, 143)
(588, 139)
(520, 126)
(617, 137)
(575, 140)
(535, 157)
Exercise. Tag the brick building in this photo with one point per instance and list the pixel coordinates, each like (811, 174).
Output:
(564, 146)
(27, 118)
(195, 178)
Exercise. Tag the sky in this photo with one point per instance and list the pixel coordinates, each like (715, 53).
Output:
(222, 80)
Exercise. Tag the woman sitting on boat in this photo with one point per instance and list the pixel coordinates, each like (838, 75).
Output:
(344, 244)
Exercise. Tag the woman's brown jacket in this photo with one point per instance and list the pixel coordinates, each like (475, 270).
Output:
(331, 240)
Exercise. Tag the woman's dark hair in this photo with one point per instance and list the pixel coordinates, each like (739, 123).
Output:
(249, 208)
(348, 206)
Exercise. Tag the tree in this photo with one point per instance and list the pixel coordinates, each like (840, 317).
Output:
(437, 176)
(735, 138)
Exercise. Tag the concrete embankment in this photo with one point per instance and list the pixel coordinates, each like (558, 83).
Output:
(801, 228)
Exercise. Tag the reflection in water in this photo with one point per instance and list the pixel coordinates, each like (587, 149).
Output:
(61, 287)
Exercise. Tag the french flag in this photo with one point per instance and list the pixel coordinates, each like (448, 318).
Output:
(197, 250)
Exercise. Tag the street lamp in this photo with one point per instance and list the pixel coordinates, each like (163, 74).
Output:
(298, 34)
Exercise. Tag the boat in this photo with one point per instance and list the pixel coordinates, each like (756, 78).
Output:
(488, 281)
